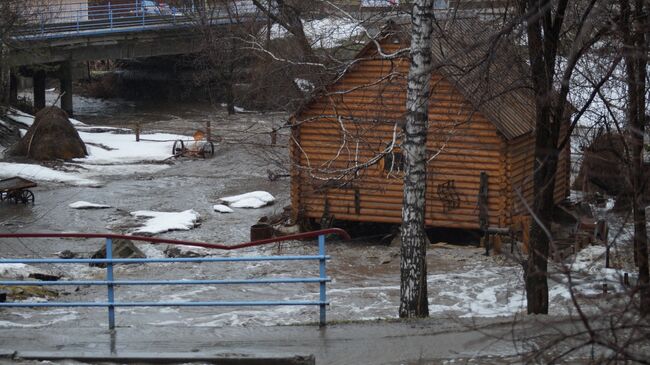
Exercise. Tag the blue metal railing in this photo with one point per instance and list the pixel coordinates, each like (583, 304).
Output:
(111, 283)
(57, 20)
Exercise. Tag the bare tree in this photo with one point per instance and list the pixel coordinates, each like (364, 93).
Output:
(11, 16)
(546, 34)
(634, 26)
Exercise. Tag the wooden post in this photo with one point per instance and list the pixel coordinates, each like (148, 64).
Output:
(483, 212)
(208, 131)
(65, 80)
(274, 137)
(13, 89)
(137, 131)
(39, 90)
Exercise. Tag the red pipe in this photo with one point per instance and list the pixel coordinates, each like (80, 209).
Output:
(337, 231)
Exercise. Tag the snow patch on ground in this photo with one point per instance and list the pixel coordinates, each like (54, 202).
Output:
(255, 199)
(39, 173)
(124, 149)
(160, 222)
(87, 205)
(222, 208)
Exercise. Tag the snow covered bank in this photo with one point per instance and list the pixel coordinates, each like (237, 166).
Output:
(110, 152)
(39, 173)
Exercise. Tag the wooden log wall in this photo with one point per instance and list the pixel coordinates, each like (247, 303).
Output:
(521, 158)
(356, 121)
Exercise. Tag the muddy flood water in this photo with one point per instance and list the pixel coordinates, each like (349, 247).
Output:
(365, 275)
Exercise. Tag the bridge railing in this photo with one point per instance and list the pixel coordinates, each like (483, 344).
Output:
(110, 282)
(69, 19)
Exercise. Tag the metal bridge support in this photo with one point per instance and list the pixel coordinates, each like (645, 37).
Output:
(65, 78)
(39, 78)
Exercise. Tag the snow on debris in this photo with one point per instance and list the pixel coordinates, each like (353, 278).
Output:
(39, 173)
(160, 222)
(17, 271)
(87, 205)
(255, 199)
(222, 208)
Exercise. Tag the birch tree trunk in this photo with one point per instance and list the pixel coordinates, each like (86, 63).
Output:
(413, 265)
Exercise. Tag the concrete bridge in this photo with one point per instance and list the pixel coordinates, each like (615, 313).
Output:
(63, 36)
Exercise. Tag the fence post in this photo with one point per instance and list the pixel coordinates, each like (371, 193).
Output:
(110, 15)
(323, 276)
(109, 278)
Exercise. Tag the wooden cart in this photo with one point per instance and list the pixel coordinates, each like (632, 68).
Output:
(16, 189)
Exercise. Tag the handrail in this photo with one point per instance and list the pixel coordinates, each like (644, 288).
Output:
(61, 20)
(110, 282)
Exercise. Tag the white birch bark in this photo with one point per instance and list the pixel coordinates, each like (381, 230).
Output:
(413, 266)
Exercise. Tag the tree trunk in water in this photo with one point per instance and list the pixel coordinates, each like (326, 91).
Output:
(4, 77)
(633, 22)
(413, 264)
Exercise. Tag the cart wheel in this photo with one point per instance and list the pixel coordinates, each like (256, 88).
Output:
(207, 150)
(178, 148)
(25, 196)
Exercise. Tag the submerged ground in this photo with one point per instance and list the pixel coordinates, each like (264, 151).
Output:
(463, 283)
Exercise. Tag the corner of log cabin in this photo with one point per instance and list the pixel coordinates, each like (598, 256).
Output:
(339, 134)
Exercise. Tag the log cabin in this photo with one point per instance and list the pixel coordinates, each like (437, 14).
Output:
(346, 160)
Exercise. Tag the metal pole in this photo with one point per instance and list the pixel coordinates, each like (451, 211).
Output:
(323, 276)
(109, 278)
(110, 15)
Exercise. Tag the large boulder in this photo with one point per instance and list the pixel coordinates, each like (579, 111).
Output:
(51, 137)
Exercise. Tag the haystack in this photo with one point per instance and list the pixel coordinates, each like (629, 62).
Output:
(51, 137)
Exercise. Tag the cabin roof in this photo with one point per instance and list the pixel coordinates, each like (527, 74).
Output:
(486, 69)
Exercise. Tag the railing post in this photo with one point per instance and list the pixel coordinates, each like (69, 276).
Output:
(323, 276)
(109, 278)
(110, 15)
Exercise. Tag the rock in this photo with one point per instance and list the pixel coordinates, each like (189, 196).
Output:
(51, 137)
(44, 277)
(175, 252)
(287, 230)
(3, 296)
(67, 254)
(26, 292)
(122, 248)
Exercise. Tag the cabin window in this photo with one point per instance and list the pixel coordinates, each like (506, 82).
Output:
(394, 162)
